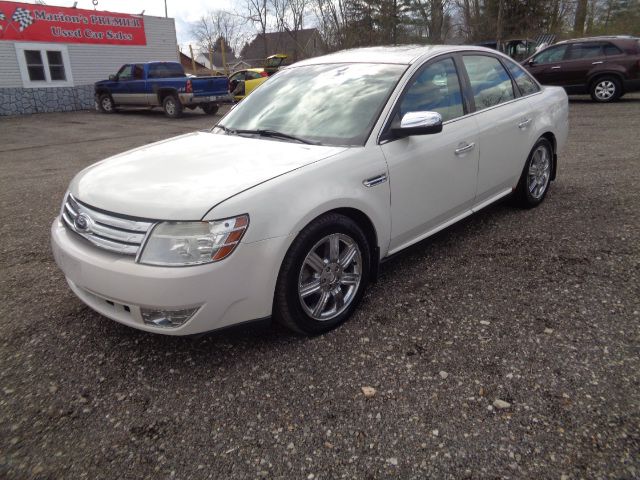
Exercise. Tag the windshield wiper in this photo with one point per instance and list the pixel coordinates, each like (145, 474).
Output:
(265, 132)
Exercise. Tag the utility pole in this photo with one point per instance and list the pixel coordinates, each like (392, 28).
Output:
(165, 9)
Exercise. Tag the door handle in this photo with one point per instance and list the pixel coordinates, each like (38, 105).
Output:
(524, 124)
(597, 63)
(556, 68)
(465, 148)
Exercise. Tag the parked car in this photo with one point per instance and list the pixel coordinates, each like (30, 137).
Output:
(604, 67)
(243, 82)
(198, 232)
(161, 84)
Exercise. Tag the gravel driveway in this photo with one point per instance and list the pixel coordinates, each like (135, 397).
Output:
(505, 347)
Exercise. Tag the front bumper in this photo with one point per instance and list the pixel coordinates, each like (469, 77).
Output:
(235, 290)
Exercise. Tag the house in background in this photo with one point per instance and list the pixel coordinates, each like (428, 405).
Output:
(296, 45)
(187, 64)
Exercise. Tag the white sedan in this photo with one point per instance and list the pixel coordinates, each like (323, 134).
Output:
(287, 206)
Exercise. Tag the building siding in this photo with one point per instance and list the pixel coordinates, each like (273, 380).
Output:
(89, 63)
(9, 70)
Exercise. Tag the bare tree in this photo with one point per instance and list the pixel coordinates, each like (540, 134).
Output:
(218, 24)
(258, 12)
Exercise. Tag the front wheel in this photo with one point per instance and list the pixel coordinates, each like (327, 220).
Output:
(536, 176)
(105, 103)
(172, 106)
(606, 89)
(209, 108)
(323, 276)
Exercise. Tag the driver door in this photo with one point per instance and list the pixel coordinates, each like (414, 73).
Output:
(120, 88)
(432, 177)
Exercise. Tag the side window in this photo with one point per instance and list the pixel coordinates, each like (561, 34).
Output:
(125, 73)
(489, 80)
(551, 55)
(138, 72)
(56, 65)
(611, 49)
(35, 66)
(435, 89)
(581, 51)
(525, 83)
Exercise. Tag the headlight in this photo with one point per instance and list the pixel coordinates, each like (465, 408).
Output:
(193, 243)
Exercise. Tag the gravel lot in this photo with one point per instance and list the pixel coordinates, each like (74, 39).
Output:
(539, 309)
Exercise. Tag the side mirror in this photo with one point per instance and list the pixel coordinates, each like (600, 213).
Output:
(113, 77)
(418, 123)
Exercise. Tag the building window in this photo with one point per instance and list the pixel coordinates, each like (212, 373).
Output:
(35, 67)
(56, 65)
(44, 65)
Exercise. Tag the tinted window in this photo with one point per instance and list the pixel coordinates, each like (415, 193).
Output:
(35, 67)
(165, 70)
(138, 72)
(435, 89)
(585, 50)
(56, 65)
(551, 55)
(490, 82)
(525, 83)
(333, 104)
(126, 72)
(610, 49)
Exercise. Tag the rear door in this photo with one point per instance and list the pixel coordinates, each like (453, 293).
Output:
(432, 177)
(581, 59)
(504, 119)
(546, 66)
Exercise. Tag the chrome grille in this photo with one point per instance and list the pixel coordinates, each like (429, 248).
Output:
(108, 231)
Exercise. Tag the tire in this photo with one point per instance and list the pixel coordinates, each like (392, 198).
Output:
(172, 106)
(536, 175)
(105, 103)
(209, 108)
(317, 289)
(606, 89)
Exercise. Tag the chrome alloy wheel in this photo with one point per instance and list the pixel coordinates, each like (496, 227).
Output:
(539, 172)
(330, 276)
(170, 107)
(605, 90)
(107, 104)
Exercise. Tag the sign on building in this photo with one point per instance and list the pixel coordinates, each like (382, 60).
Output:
(41, 23)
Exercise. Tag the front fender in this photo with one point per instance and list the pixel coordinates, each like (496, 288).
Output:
(284, 205)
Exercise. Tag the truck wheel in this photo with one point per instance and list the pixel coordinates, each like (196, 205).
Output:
(105, 103)
(209, 108)
(172, 106)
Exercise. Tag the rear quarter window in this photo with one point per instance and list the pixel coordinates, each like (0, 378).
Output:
(610, 49)
(525, 83)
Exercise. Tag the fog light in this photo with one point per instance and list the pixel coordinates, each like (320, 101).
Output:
(167, 318)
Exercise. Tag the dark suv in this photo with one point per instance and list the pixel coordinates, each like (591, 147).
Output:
(605, 67)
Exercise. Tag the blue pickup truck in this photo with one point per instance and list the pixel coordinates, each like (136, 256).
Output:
(161, 84)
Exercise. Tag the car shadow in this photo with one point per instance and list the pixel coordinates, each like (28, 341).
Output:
(588, 100)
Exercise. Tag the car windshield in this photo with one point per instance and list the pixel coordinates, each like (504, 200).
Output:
(334, 104)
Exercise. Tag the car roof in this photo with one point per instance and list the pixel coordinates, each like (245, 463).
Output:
(602, 37)
(397, 54)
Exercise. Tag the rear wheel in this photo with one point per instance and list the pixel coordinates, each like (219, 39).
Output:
(209, 108)
(105, 103)
(536, 176)
(323, 276)
(172, 106)
(606, 89)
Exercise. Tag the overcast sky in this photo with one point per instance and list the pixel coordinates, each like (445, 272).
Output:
(184, 11)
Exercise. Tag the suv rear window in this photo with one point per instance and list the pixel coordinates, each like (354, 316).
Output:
(585, 50)
(611, 49)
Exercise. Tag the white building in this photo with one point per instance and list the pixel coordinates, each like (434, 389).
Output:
(51, 56)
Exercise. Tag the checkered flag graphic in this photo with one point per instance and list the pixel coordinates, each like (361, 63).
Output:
(23, 17)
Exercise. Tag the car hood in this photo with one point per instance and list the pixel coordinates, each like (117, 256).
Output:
(184, 177)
